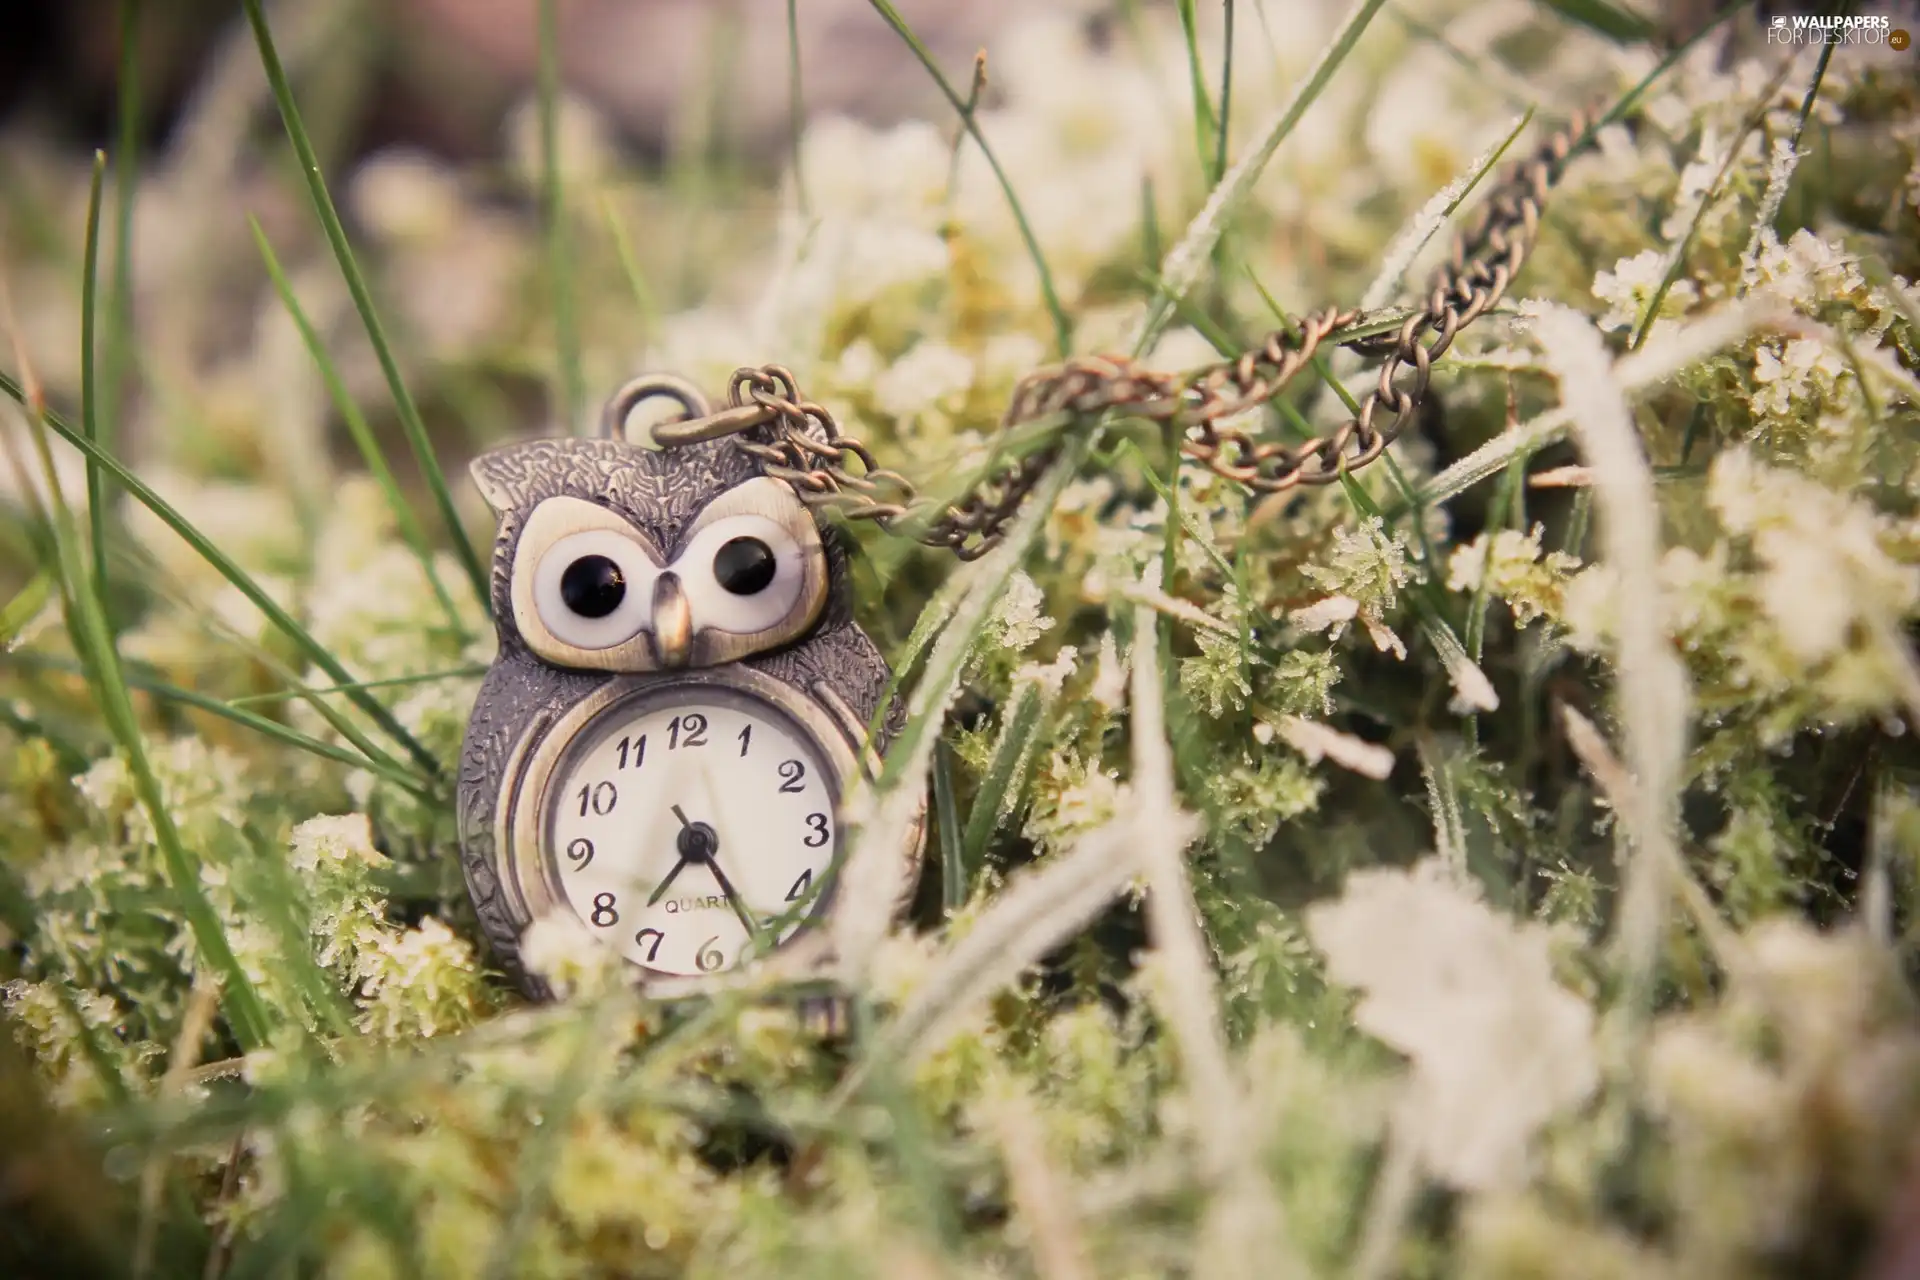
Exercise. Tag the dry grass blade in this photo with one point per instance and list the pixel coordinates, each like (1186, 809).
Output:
(1617, 785)
(1640, 371)
(1037, 909)
(1242, 1231)
(887, 812)
(1041, 1197)
(203, 1003)
(1652, 684)
(1432, 216)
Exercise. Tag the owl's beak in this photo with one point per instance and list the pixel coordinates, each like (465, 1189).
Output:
(672, 622)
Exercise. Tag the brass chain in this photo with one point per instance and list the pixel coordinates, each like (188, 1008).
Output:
(800, 442)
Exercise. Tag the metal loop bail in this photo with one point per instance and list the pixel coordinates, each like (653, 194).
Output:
(616, 419)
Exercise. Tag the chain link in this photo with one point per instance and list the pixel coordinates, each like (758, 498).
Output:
(800, 442)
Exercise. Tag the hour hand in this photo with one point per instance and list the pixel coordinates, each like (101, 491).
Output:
(663, 886)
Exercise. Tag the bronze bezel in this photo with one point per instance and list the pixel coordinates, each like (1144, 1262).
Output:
(529, 875)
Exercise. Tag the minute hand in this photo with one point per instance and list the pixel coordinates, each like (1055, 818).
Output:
(727, 890)
(735, 901)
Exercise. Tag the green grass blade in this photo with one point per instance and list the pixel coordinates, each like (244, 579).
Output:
(370, 451)
(284, 734)
(1631, 97)
(1677, 255)
(925, 628)
(796, 106)
(234, 574)
(1226, 98)
(1062, 326)
(1203, 127)
(630, 266)
(898, 793)
(571, 394)
(946, 813)
(89, 375)
(335, 718)
(1188, 523)
(1618, 24)
(126, 177)
(1000, 789)
(235, 713)
(246, 1014)
(410, 423)
(1189, 258)
(427, 677)
(1507, 501)
(26, 605)
(1494, 75)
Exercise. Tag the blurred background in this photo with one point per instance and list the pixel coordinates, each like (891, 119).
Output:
(445, 74)
(676, 113)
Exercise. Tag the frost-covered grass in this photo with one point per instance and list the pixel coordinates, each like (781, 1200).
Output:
(1503, 864)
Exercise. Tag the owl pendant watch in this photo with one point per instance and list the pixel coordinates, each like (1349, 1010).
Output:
(678, 709)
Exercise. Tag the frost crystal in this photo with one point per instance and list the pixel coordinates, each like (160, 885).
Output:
(1511, 566)
(1628, 291)
(1020, 617)
(1498, 1047)
(345, 838)
(1370, 566)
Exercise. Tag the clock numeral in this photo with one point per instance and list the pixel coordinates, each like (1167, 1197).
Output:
(581, 852)
(800, 886)
(640, 940)
(746, 736)
(816, 826)
(604, 916)
(693, 725)
(599, 797)
(710, 956)
(793, 776)
(636, 747)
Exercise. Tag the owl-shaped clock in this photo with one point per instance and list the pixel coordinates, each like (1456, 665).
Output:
(678, 708)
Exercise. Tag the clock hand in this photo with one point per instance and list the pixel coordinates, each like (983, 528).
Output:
(688, 853)
(734, 900)
(727, 890)
(665, 884)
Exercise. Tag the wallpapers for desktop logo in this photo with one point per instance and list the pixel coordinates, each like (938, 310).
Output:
(1804, 28)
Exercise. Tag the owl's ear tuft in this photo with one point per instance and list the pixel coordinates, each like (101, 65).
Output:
(503, 476)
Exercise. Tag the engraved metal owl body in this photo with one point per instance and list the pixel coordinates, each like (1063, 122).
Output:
(655, 516)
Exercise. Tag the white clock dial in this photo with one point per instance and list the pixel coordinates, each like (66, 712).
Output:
(692, 827)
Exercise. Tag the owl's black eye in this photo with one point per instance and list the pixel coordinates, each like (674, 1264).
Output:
(593, 586)
(744, 566)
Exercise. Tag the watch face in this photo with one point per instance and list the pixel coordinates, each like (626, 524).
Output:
(691, 826)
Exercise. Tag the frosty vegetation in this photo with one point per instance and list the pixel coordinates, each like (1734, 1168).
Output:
(1491, 868)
